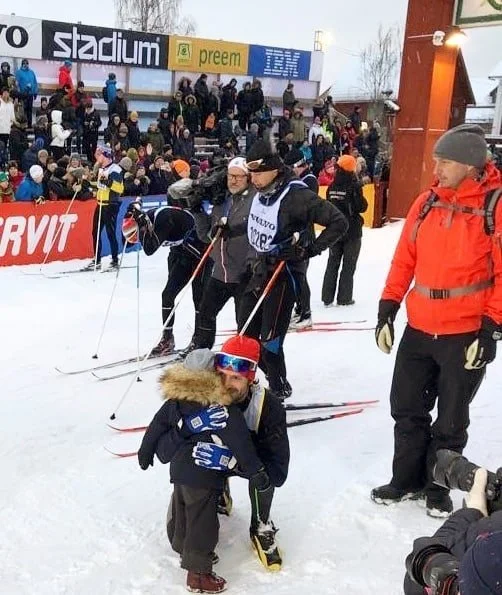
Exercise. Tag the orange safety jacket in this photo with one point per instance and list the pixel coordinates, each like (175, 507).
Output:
(456, 264)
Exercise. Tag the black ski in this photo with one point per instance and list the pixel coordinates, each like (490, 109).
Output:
(301, 407)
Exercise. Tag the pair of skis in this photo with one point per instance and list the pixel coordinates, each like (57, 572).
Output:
(359, 408)
(326, 327)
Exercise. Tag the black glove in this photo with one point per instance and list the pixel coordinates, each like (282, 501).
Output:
(483, 349)
(384, 331)
(293, 253)
(145, 458)
(134, 211)
(222, 226)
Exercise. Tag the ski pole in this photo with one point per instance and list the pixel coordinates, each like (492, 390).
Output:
(95, 356)
(267, 289)
(138, 309)
(197, 270)
(56, 235)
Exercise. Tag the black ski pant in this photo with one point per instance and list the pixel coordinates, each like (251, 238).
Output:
(193, 526)
(216, 295)
(28, 109)
(89, 145)
(181, 264)
(108, 220)
(271, 325)
(427, 369)
(302, 308)
(348, 250)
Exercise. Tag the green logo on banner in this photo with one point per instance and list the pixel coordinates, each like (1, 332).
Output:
(184, 52)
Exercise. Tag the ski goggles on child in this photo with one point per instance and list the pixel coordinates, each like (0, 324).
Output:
(240, 365)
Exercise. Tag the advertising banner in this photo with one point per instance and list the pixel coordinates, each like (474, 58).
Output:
(192, 54)
(20, 37)
(84, 43)
(476, 13)
(27, 231)
(280, 62)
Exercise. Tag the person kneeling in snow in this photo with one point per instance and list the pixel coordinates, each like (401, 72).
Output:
(196, 427)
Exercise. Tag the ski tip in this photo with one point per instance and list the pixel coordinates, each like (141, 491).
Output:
(95, 356)
(112, 416)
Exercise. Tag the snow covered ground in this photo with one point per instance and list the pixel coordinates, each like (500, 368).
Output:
(75, 520)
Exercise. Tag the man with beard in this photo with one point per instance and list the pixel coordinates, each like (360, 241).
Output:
(283, 210)
(236, 362)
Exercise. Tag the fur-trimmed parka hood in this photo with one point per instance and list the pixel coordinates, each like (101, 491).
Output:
(204, 387)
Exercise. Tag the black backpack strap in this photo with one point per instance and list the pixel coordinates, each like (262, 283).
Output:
(424, 211)
(491, 201)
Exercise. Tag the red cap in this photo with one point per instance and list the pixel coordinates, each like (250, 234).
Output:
(243, 347)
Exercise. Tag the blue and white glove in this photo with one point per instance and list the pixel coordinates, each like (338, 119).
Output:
(216, 457)
(212, 418)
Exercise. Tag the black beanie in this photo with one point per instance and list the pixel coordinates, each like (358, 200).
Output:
(293, 157)
(261, 157)
(480, 571)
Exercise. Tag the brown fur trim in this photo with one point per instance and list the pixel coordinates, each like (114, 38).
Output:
(204, 387)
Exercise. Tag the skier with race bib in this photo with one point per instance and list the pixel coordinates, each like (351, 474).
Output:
(280, 228)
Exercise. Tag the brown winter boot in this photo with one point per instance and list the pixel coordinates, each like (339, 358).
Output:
(198, 582)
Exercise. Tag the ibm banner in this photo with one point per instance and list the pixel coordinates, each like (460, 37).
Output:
(281, 62)
(20, 37)
(84, 43)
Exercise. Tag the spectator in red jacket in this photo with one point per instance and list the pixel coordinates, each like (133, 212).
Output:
(327, 174)
(65, 75)
(15, 176)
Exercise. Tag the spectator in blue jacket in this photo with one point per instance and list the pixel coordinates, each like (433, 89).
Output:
(31, 188)
(110, 91)
(28, 88)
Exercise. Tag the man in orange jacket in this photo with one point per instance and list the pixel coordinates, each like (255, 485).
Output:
(451, 245)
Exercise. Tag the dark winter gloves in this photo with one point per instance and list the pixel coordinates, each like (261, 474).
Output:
(384, 332)
(297, 253)
(134, 211)
(223, 227)
(483, 349)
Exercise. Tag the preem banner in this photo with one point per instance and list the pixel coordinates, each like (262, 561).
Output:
(84, 43)
(192, 54)
(478, 13)
(280, 62)
(20, 37)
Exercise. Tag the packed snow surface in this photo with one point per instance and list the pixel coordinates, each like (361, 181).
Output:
(76, 520)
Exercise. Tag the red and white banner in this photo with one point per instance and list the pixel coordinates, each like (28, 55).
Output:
(27, 231)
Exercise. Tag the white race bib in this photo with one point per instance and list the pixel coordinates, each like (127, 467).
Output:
(263, 220)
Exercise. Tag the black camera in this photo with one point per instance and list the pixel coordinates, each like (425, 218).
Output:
(455, 472)
(189, 194)
(434, 567)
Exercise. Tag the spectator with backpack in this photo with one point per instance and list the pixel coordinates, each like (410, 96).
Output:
(450, 248)
(109, 91)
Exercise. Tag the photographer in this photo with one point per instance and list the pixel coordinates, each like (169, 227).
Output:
(231, 253)
(464, 555)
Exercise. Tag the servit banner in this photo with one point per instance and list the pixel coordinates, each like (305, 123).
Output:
(27, 231)
(478, 13)
(207, 55)
(281, 62)
(84, 43)
(20, 37)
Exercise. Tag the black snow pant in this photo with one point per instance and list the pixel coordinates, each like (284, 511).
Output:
(181, 264)
(427, 369)
(271, 325)
(28, 109)
(347, 249)
(216, 295)
(89, 145)
(193, 526)
(302, 308)
(108, 220)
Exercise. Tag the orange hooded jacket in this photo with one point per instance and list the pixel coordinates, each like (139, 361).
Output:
(450, 250)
